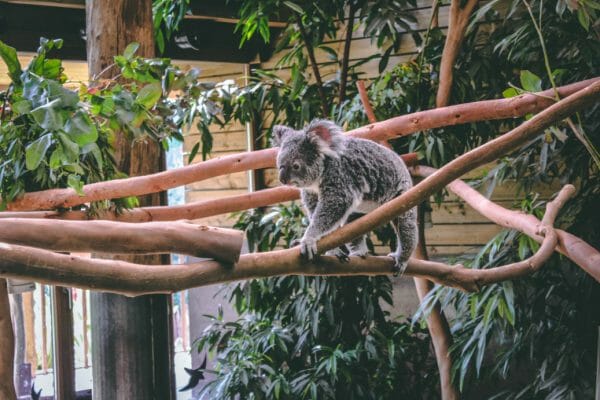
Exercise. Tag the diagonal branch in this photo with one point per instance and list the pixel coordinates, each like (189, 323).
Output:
(580, 252)
(461, 165)
(380, 131)
(346, 54)
(457, 26)
(314, 65)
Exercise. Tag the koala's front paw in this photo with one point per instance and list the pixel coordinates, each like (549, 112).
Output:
(308, 247)
(339, 253)
(399, 264)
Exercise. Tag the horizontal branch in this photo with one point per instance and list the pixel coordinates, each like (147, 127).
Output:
(177, 237)
(380, 131)
(137, 279)
(461, 165)
(194, 210)
(576, 249)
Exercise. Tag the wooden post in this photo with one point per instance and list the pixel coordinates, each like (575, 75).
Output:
(132, 343)
(7, 344)
(64, 353)
(29, 323)
(44, 329)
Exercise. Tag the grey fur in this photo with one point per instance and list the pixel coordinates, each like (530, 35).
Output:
(341, 179)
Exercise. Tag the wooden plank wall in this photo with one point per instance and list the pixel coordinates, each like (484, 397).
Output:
(457, 228)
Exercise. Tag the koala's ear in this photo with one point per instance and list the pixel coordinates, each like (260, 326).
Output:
(279, 133)
(327, 135)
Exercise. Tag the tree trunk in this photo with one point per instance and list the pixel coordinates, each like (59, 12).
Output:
(131, 338)
(7, 344)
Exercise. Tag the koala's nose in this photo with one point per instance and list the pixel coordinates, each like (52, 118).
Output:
(284, 176)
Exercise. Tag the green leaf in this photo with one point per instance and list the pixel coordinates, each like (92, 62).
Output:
(294, 7)
(584, 18)
(74, 182)
(9, 55)
(130, 50)
(81, 129)
(47, 117)
(510, 92)
(21, 107)
(149, 95)
(70, 148)
(530, 81)
(36, 150)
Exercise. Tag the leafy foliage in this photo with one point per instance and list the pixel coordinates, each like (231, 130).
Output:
(53, 135)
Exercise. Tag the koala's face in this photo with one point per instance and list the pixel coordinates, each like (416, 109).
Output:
(299, 162)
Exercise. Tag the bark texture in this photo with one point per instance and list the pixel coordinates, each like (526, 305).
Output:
(177, 237)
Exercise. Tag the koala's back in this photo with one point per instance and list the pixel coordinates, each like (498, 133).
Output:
(372, 170)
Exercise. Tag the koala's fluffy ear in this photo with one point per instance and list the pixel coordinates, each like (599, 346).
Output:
(327, 135)
(279, 132)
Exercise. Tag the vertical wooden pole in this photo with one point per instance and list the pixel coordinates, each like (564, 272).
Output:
(29, 321)
(132, 343)
(184, 320)
(64, 354)
(7, 346)
(84, 328)
(44, 329)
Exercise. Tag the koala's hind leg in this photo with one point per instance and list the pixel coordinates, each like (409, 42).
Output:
(358, 247)
(407, 236)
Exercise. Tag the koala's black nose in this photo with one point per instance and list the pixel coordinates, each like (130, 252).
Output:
(284, 176)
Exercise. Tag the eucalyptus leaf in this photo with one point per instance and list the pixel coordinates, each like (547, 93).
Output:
(36, 151)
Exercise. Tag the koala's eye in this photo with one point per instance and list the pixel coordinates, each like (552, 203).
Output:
(296, 166)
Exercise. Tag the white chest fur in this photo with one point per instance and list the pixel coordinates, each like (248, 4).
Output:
(366, 206)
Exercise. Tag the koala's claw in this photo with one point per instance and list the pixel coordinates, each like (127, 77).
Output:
(308, 248)
(339, 253)
(295, 242)
(399, 264)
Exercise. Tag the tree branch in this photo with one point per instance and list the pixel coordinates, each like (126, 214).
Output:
(7, 344)
(380, 131)
(457, 26)
(346, 54)
(315, 67)
(580, 252)
(461, 165)
(177, 237)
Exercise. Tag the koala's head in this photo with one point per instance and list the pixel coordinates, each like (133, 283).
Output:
(301, 153)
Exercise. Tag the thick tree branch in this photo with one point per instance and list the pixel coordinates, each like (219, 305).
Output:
(7, 344)
(380, 131)
(580, 252)
(177, 237)
(457, 26)
(346, 54)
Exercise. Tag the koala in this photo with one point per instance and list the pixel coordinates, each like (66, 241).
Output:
(342, 178)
